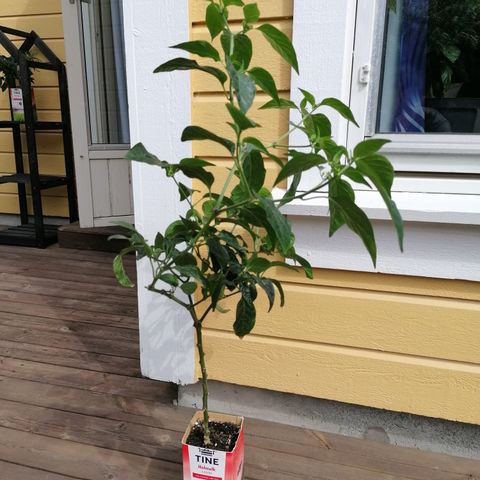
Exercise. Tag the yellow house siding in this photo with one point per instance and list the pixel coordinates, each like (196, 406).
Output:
(46, 19)
(394, 342)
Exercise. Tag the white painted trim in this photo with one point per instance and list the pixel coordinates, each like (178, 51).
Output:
(160, 108)
(323, 36)
(433, 250)
(77, 96)
(414, 207)
(109, 221)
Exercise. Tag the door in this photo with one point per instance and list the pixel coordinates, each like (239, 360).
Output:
(95, 53)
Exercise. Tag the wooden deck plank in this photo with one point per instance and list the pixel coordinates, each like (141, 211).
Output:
(58, 313)
(56, 301)
(86, 379)
(265, 436)
(66, 357)
(72, 288)
(73, 405)
(72, 341)
(65, 289)
(75, 459)
(12, 471)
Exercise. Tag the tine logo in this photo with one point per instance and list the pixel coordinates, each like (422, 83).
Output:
(204, 451)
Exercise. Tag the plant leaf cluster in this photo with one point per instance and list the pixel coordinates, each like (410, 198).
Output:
(233, 237)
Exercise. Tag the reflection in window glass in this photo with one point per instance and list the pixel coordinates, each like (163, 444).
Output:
(104, 50)
(431, 71)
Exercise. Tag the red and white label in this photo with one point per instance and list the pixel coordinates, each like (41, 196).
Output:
(206, 464)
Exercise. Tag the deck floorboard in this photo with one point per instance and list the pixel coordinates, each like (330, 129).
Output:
(73, 404)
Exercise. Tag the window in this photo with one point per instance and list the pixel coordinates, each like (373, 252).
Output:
(431, 68)
(104, 56)
(423, 93)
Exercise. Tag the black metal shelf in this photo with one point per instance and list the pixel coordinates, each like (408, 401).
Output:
(36, 234)
(44, 181)
(37, 125)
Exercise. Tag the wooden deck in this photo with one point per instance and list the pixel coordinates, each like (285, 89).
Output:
(73, 404)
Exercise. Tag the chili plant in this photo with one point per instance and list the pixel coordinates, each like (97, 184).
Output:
(230, 239)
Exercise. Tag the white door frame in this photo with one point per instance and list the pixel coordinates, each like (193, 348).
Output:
(84, 153)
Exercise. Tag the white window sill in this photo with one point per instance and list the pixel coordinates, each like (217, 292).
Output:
(461, 209)
(442, 234)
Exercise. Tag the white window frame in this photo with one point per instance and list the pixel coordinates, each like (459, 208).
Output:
(344, 37)
(435, 187)
(425, 153)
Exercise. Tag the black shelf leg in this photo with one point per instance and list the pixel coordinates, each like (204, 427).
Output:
(22, 191)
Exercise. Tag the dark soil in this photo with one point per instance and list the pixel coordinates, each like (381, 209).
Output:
(222, 435)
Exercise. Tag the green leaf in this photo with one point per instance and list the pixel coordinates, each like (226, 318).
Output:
(380, 171)
(280, 291)
(214, 20)
(240, 119)
(185, 258)
(265, 81)
(307, 268)
(281, 103)
(245, 318)
(258, 265)
(369, 147)
(281, 43)
(188, 64)
(217, 251)
(242, 51)
(322, 125)
(339, 107)
(239, 194)
(195, 162)
(257, 144)
(269, 289)
(117, 237)
(128, 226)
(251, 13)
(208, 207)
(244, 87)
(199, 173)
(237, 3)
(451, 52)
(300, 162)
(184, 191)
(168, 278)
(201, 48)
(189, 271)
(340, 199)
(279, 223)
(189, 288)
(159, 241)
(139, 153)
(253, 144)
(199, 133)
(308, 97)
(119, 270)
(254, 170)
(356, 176)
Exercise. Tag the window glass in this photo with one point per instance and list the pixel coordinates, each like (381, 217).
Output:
(431, 67)
(104, 54)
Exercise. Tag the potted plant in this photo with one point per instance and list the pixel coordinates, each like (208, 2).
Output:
(231, 238)
(10, 79)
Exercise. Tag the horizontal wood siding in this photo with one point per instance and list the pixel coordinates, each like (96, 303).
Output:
(398, 343)
(45, 17)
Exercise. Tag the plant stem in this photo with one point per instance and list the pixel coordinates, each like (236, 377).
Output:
(201, 357)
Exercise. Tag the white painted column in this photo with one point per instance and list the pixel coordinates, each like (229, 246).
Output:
(160, 108)
(323, 36)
